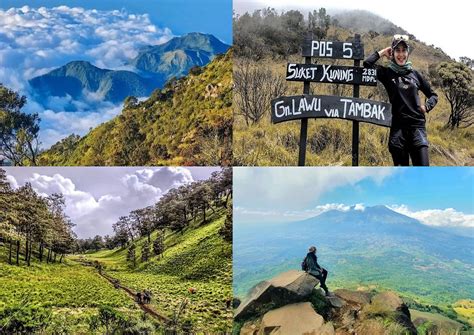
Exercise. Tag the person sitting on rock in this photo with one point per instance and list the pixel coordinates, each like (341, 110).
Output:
(313, 268)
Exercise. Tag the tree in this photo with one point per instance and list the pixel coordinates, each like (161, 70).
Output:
(131, 255)
(318, 23)
(226, 230)
(8, 218)
(18, 131)
(97, 243)
(159, 244)
(254, 88)
(467, 61)
(145, 251)
(142, 220)
(456, 83)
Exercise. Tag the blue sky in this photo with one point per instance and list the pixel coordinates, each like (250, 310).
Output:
(439, 196)
(181, 16)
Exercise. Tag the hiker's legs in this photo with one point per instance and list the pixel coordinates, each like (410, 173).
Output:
(419, 156)
(324, 275)
(400, 157)
(322, 280)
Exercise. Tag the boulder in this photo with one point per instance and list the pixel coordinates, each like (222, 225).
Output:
(390, 304)
(299, 318)
(286, 288)
(356, 297)
(335, 301)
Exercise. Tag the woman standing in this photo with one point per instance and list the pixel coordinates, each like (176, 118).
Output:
(408, 131)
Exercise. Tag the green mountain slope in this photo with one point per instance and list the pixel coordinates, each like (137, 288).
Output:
(196, 258)
(188, 122)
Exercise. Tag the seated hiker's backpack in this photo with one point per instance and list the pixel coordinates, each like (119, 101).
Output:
(304, 266)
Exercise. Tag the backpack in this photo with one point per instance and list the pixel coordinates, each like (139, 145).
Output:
(304, 266)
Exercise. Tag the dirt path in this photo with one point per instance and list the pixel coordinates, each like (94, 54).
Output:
(132, 294)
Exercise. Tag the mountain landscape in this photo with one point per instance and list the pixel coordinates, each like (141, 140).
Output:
(187, 122)
(176, 252)
(151, 69)
(176, 57)
(375, 248)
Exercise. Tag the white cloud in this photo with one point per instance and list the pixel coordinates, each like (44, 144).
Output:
(63, 124)
(296, 188)
(275, 215)
(448, 217)
(12, 181)
(359, 207)
(78, 202)
(33, 41)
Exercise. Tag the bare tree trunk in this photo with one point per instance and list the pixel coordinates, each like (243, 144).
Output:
(18, 252)
(10, 253)
(61, 258)
(26, 250)
(41, 252)
(30, 250)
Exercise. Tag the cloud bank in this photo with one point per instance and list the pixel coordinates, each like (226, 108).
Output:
(34, 41)
(95, 214)
(448, 217)
(296, 188)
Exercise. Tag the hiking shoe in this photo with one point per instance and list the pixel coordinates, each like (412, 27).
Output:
(329, 294)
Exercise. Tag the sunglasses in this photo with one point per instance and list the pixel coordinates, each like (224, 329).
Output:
(401, 37)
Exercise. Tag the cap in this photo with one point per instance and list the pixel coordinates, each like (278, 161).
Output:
(397, 39)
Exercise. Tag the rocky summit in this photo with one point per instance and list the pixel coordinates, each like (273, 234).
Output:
(290, 304)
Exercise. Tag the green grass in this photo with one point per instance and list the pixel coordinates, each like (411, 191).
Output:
(444, 324)
(196, 257)
(69, 292)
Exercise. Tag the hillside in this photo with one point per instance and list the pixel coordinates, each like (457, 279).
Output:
(72, 78)
(196, 258)
(363, 21)
(329, 142)
(188, 122)
(65, 297)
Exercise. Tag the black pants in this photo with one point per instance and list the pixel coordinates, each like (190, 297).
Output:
(409, 143)
(322, 280)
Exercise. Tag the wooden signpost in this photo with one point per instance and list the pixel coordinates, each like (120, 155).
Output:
(352, 108)
(328, 106)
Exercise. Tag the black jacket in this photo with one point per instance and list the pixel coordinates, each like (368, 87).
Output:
(312, 262)
(403, 94)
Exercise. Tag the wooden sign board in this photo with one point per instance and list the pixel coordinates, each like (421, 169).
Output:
(330, 49)
(328, 106)
(332, 74)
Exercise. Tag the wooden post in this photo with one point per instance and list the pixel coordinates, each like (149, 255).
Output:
(304, 124)
(355, 124)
